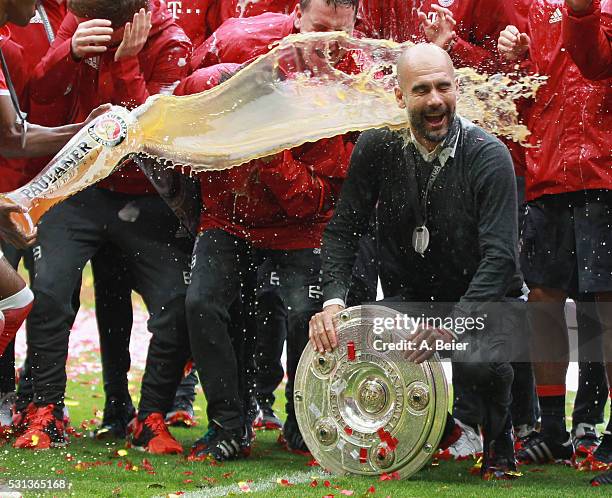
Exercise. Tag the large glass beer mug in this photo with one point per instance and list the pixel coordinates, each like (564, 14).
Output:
(90, 156)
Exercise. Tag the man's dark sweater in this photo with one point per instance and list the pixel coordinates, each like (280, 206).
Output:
(472, 254)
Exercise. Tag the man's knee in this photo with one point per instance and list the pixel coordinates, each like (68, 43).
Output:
(486, 374)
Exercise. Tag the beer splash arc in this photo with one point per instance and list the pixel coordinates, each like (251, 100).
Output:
(288, 97)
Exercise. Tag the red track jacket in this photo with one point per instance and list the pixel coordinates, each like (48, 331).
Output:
(479, 23)
(588, 37)
(26, 48)
(161, 64)
(201, 18)
(571, 119)
(284, 204)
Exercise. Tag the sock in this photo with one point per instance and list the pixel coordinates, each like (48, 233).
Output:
(15, 309)
(552, 406)
(607, 436)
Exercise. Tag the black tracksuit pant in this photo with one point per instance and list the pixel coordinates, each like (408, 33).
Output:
(592, 393)
(224, 269)
(144, 229)
(272, 324)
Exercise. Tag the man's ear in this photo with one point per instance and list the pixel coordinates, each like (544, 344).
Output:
(297, 23)
(399, 96)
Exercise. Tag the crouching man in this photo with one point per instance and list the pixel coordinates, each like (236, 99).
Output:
(445, 196)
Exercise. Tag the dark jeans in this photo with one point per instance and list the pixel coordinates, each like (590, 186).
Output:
(224, 270)
(69, 236)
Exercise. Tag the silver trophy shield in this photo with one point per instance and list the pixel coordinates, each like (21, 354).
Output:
(363, 408)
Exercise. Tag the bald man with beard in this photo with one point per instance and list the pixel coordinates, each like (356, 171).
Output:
(445, 195)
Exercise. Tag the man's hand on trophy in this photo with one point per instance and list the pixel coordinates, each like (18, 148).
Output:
(135, 35)
(425, 343)
(321, 329)
(97, 112)
(9, 231)
(91, 38)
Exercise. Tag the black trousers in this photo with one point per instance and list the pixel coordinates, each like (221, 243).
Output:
(224, 270)
(113, 293)
(272, 325)
(483, 375)
(592, 393)
(273, 317)
(144, 229)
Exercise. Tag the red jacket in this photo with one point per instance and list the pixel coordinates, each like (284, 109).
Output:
(201, 18)
(284, 204)
(241, 40)
(25, 49)
(571, 118)
(97, 80)
(588, 38)
(479, 23)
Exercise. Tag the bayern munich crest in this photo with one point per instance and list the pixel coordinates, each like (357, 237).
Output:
(109, 130)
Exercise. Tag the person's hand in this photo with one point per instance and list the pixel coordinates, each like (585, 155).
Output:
(91, 38)
(512, 43)
(442, 31)
(425, 343)
(321, 330)
(135, 35)
(97, 112)
(9, 231)
(578, 5)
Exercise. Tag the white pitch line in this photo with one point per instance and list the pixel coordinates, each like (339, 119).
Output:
(257, 486)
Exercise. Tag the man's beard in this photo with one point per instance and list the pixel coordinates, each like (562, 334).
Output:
(419, 125)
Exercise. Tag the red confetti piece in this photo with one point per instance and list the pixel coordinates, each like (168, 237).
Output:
(363, 455)
(371, 490)
(314, 484)
(312, 463)
(187, 481)
(350, 351)
(227, 475)
(147, 465)
(327, 484)
(347, 492)
(387, 438)
(328, 496)
(348, 430)
(188, 473)
(284, 482)
(394, 476)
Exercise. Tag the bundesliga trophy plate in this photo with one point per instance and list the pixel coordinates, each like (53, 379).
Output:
(363, 408)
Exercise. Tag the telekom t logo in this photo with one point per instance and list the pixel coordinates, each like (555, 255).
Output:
(176, 8)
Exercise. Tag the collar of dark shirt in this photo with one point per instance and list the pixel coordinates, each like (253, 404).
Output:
(445, 150)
